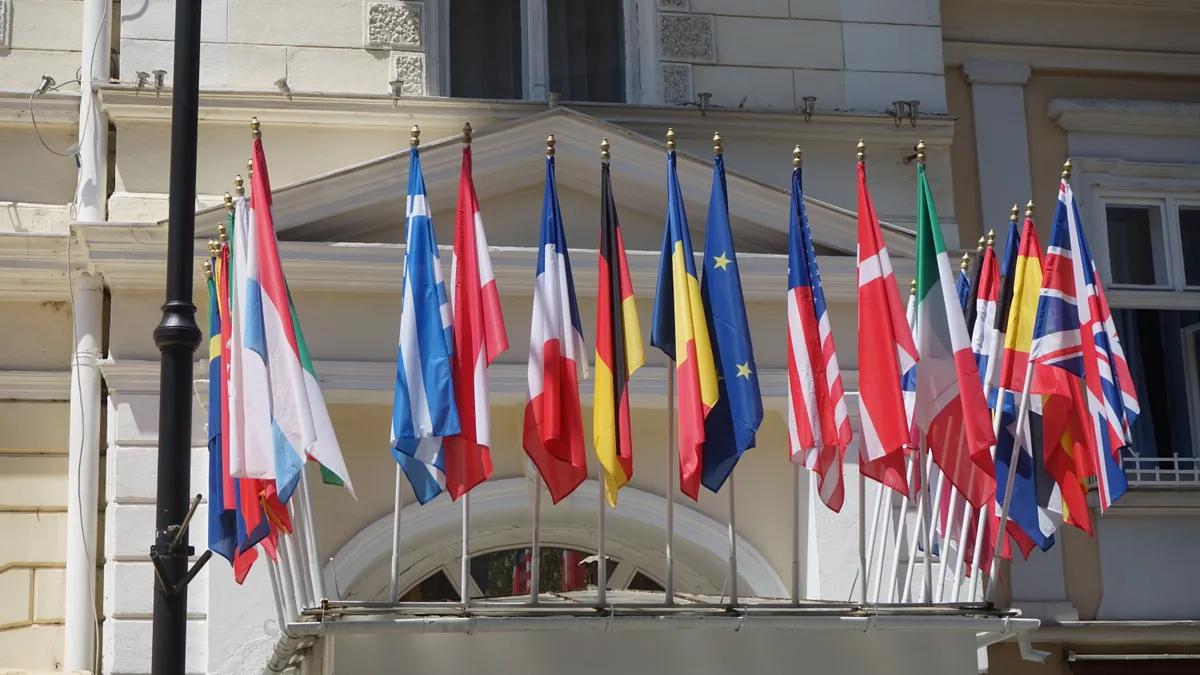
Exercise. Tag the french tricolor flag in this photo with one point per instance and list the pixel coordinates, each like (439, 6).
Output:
(553, 434)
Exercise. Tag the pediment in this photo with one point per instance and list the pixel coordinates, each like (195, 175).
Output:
(365, 202)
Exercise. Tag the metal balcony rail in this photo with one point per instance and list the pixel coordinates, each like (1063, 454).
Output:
(1162, 472)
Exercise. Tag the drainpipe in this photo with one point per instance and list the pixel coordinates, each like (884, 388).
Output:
(87, 299)
(83, 473)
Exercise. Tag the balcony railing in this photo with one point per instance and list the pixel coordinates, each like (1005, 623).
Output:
(1162, 472)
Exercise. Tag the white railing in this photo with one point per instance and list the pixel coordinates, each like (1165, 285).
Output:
(1162, 472)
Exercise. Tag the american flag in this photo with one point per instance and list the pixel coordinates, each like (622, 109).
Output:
(818, 426)
(1072, 307)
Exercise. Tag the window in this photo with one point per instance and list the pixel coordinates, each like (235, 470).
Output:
(525, 49)
(1152, 243)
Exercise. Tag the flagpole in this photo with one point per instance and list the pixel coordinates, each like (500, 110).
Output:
(919, 526)
(902, 525)
(862, 534)
(876, 515)
(535, 572)
(300, 544)
(671, 469)
(927, 594)
(398, 502)
(733, 579)
(940, 591)
(880, 532)
(796, 476)
(601, 562)
(291, 583)
(960, 556)
(310, 537)
(935, 516)
(1018, 437)
(464, 579)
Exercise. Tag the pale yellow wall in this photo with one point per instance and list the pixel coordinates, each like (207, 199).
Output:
(963, 157)
(1005, 659)
(45, 39)
(48, 323)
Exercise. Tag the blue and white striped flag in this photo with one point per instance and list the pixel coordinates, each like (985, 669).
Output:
(424, 409)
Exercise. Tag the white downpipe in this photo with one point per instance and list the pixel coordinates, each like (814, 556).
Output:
(83, 475)
(91, 193)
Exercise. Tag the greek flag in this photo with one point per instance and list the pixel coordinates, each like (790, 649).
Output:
(424, 409)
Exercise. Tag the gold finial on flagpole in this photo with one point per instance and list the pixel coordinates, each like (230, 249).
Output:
(991, 241)
(966, 262)
(466, 133)
(670, 139)
(920, 152)
(604, 150)
(797, 157)
(222, 233)
(717, 144)
(1016, 212)
(228, 203)
(214, 249)
(238, 187)
(1066, 174)
(862, 156)
(250, 171)
(550, 145)
(414, 136)
(979, 248)
(208, 272)
(1029, 209)
(255, 128)
(912, 286)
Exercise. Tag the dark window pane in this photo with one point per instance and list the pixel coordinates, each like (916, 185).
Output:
(1189, 233)
(586, 50)
(641, 582)
(1136, 245)
(436, 588)
(507, 572)
(485, 49)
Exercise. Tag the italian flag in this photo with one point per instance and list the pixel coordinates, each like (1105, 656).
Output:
(951, 411)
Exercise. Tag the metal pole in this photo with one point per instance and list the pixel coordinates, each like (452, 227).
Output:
(1018, 437)
(902, 523)
(177, 336)
(733, 580)
(464, 578)
(398, 503)
(601, 562)
(672, 467)
(874, 527)
(928, 533)
(310, 538)
(535, 571)
(795, 533)
(862, 535)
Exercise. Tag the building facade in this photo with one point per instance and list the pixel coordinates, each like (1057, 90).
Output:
(1000, 91)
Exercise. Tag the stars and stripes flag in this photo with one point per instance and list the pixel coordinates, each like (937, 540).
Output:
(619, 351)
(424, 409)
(818, 426)
(479, 337)
(731, 425)
(553, 431)
(680, 330)
(1075, 331)
(885, 352)
(951, 412)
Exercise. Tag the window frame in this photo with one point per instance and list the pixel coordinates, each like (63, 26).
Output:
(535, 64)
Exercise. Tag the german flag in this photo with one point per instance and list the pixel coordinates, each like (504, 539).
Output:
(618, 347)
(680, 330)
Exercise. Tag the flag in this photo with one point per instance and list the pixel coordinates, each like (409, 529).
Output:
(222, 522)
(553, 432)
(1075, 332)
(818, 426)
(975, 272)
(962, 285)
(423, 409)
(885, 352)
(680, 330)
(1008, 271)
(985, 302)
(951, 412)
(731, 425)
(1069, 455)
(618, 348)
(479, 337)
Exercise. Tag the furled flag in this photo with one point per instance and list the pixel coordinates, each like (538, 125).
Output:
(974, 273)
(951, 412)
(300, 422)
(1075, 332)
(619, 350)
(985, 302)
(1008, 271)
(1069, 457)
(963, 285)
(222, 512)
(424, 409)
(818, 426)
(553, 434)
(730, 427)
(479, 337)
(680, 330)
(885, 352)
(1033, 506)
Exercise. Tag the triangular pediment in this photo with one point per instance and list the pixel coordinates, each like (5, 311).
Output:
(365, 202)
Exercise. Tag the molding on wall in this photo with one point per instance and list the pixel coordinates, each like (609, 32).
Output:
(35, 385)
(55, 107)
(1126, 118)
(1040, 57)
(33, 266)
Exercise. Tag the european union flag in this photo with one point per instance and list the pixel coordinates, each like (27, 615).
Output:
(732, 424)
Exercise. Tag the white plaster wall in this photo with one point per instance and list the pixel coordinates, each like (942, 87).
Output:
(39, 37)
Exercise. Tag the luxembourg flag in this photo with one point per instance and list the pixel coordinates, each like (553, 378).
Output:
(424, 409)
(553, 431)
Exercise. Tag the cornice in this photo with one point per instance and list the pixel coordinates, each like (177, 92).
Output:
(35, 385)
(125, 102)
(1126, 118)
(1044, 57)
(132, 256)
(55, 107)
(33, 266)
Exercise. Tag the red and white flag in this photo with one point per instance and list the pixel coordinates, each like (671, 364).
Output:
(479, 337)
(885, 352)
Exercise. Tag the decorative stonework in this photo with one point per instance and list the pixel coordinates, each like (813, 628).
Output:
(393, 25)
(5, 24)
(409, 68)
(674, 5)
(675, 82)
(686, 37)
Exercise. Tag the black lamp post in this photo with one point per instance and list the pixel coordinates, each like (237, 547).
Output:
(177, 337)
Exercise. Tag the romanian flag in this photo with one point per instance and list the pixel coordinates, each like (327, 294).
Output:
(680, 330)
(618, 348)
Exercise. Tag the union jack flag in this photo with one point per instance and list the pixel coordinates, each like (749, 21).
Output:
(1072, 307)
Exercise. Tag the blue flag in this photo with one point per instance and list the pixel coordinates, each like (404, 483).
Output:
(964, 289)
(222, 526)
(730, 427)
(424, 410)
